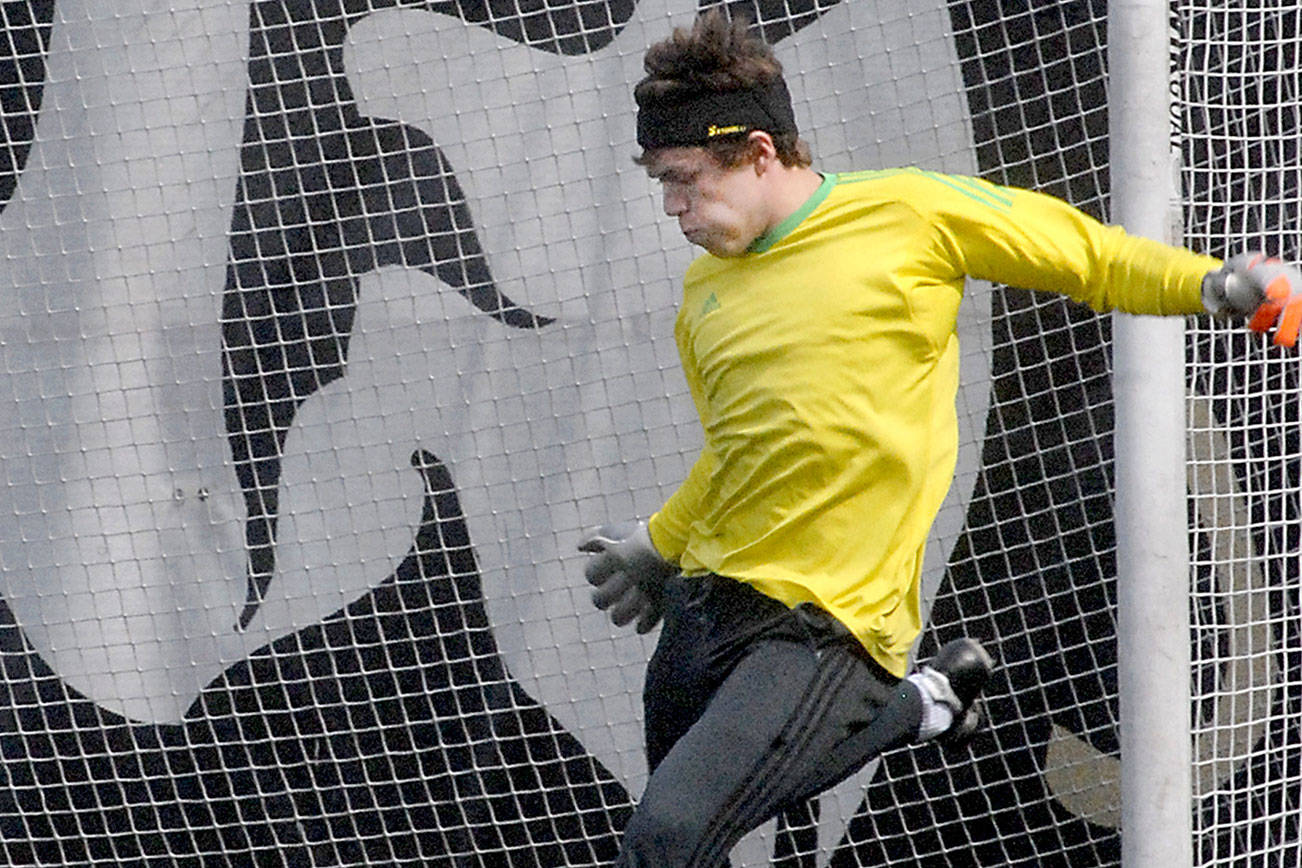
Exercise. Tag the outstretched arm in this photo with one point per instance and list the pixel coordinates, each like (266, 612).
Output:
(1035, 241)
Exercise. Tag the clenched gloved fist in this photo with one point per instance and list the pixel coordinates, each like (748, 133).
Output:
(1263, 288)
(627, 573)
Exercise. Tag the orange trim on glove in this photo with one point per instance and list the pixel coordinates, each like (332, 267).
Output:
(1287, 331)
(1281, 306)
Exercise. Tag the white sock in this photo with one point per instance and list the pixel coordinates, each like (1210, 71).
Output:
(937, 716)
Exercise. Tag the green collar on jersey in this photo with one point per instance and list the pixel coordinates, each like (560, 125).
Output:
(783, 229)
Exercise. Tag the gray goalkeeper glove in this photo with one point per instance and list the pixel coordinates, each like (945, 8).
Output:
(1264, 289)
(628, 574)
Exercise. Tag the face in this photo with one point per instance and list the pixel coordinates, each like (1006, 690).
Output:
(718, 209)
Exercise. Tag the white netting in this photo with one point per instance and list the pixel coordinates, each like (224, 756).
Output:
(1240, 106)
(330, 325)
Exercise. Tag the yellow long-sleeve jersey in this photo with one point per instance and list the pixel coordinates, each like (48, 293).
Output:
(824, 366)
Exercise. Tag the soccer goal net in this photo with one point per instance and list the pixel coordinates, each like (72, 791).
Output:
(329, 325)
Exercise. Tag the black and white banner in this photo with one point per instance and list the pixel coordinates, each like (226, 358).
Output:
(329, 324)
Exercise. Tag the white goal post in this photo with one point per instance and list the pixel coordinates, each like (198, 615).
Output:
(1151, 523)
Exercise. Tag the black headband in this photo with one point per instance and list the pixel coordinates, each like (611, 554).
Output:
(703, 117)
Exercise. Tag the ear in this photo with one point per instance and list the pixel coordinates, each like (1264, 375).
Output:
(763, 153)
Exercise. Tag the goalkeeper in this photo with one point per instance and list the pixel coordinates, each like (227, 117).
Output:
(818, 340)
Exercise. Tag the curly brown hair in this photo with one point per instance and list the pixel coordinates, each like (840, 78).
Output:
(717, 53)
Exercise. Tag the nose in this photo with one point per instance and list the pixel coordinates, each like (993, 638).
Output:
(675, 203)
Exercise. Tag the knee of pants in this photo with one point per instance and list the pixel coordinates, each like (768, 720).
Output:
(663, 839)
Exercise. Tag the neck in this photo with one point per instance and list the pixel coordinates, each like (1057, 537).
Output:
(792, 187)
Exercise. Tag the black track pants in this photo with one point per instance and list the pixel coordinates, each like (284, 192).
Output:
(751, 707)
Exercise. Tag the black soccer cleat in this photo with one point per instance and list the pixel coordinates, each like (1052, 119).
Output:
(956, 676)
